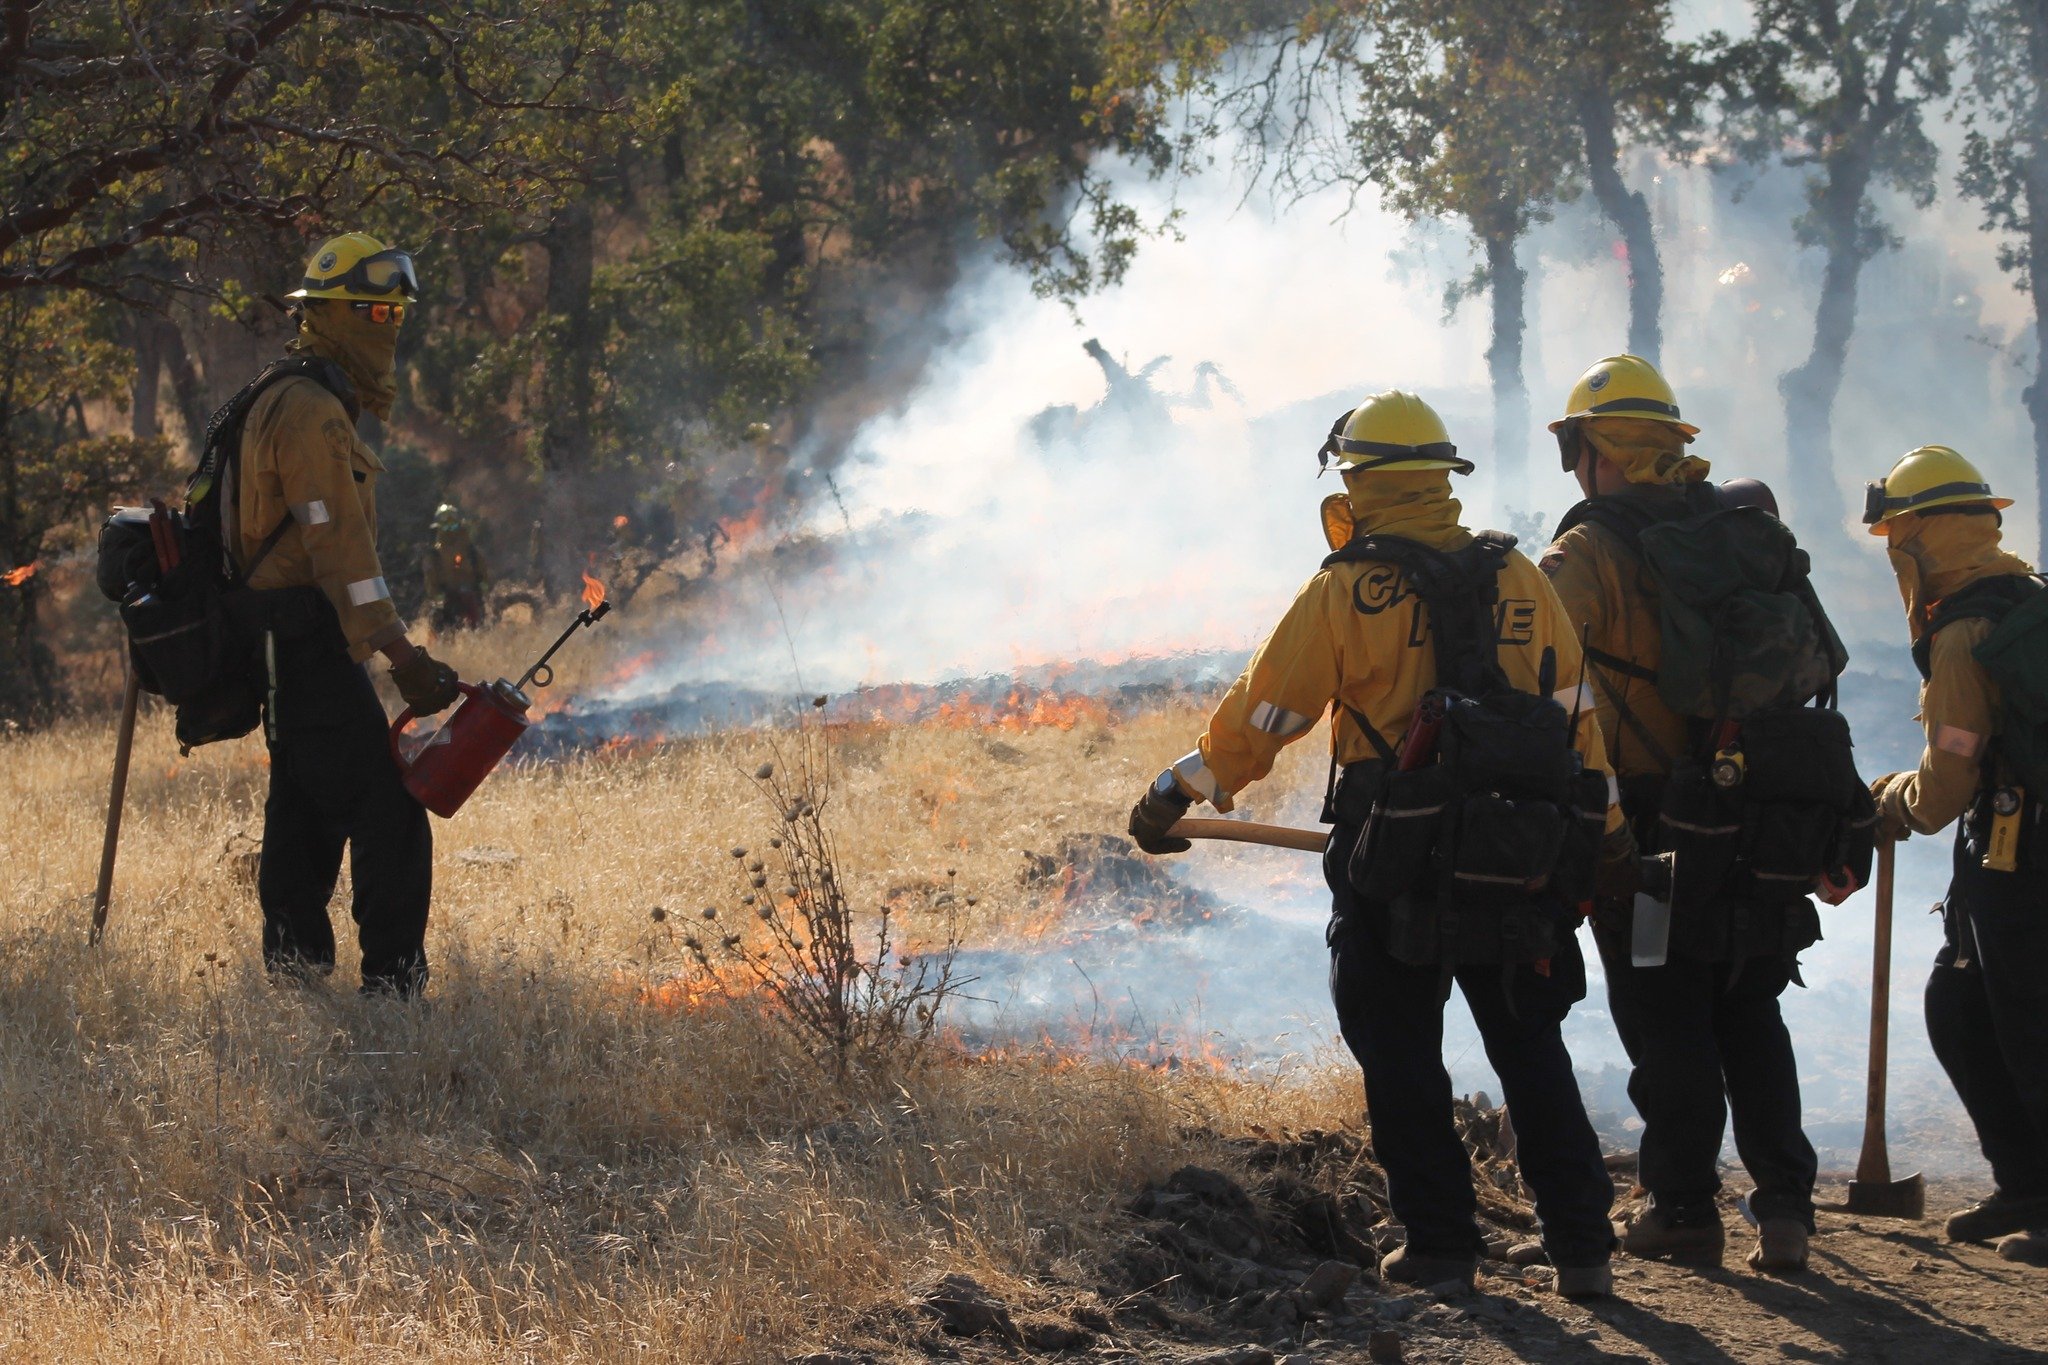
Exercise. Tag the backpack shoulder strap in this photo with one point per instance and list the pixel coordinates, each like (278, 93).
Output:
(1988, 599)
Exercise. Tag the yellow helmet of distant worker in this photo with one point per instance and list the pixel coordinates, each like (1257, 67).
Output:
(360, 269)
(1924, 479)
(1388, 433)
(1623, 386)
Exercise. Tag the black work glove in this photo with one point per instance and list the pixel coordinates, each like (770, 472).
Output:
(1162, 804)
(1616, 877)
(426, 684)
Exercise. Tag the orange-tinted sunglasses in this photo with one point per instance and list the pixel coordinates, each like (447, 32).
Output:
(380, 312)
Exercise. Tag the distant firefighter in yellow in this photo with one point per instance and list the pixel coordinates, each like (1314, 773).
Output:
(458, 581)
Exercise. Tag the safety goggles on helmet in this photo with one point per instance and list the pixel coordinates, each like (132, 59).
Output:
(1381, 453)
(378, 312)
(1879, 506)
(387, 272)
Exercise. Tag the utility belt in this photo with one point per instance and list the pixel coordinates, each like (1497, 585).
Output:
(205, 650)
(1769, 811)
(1473, 866)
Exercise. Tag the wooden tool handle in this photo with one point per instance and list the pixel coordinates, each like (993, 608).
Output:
(1874, 1165)
(1251, 832)
(124, 744)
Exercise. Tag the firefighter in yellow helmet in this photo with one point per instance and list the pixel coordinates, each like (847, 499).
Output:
(302, 515)
(1429, 645)
(1703, 1030)
(1987, 999)
(458, 581)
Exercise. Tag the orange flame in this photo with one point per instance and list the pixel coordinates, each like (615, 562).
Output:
(619, 522)
(14, 578)
(593, 593)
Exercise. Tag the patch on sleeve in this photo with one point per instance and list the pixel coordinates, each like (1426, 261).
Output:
(1956, 740)
(1279, 721)
(340, 444)
(1552, 561)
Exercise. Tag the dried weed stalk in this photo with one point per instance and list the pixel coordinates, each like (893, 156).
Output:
(859, 1005)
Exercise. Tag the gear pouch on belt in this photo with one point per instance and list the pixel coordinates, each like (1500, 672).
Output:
(1585, 829)
(1798, 784)
(1700, 825)
(1503, 852)
(178, 635)
(1396, 852)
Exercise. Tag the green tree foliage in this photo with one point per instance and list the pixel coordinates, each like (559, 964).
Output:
(58, 354)
(1841, 90)
(2005, 167)
(645, 228)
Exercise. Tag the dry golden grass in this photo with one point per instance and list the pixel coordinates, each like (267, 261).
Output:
(539, 1164)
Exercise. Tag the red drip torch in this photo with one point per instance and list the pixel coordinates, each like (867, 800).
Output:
(484, 726)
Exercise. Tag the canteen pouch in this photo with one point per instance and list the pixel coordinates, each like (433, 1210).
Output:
(179, 637)
(1396, 851)
(1503, 852)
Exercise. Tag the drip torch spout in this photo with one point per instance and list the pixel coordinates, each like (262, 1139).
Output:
(540, 675)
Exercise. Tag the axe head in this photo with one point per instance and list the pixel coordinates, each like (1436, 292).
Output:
(1905, 1198)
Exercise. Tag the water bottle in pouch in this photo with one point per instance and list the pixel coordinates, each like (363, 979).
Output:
(1650, 936)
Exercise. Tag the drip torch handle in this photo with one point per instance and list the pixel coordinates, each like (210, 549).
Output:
(406, 718)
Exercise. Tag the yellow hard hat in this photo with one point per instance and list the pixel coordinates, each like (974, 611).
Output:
(1929, 477)
(1390, 432)
(1623, 386)
(357, 267)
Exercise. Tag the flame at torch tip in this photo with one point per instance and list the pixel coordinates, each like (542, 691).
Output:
(14, 578)
(593, 593)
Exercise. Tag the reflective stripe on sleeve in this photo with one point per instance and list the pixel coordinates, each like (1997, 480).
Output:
(1197, 777)
(366, 591)
(1279, 721)
(1956, 740)
(312, 513)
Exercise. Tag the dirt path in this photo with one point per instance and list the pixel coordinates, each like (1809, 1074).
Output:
(1877, 1291)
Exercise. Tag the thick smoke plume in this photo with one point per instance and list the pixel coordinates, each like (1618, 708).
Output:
(1022, 512)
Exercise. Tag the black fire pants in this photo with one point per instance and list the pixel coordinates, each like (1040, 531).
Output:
(1392, 1018)
(1705, 1038)
(333, 782)
(1987, 1005)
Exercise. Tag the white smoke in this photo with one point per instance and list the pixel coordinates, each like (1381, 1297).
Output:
(982, 529)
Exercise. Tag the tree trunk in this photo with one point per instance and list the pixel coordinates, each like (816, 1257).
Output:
(1810, 390)
(149, 367)
(568, 385)
(1504, 358)
(2035, 18)
(1630, 213)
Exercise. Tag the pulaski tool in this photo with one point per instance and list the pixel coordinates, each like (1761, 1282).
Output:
(1873, 1191)
(484, 726)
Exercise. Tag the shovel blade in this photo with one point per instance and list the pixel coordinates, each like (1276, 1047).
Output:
(1888, 1198)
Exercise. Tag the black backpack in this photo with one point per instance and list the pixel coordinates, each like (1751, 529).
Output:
(1484, 830)
(2015, 655)
(1765, 799)
(192, 625)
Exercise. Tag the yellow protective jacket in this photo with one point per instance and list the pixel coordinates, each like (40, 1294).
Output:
(1357, 635)
(1959, 703)
(1611, 604)
(453, 563)
(301, 455)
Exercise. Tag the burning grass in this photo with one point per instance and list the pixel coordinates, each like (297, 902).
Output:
(579, 1149)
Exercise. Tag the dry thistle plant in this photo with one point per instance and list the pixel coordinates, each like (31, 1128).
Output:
(859, 1006)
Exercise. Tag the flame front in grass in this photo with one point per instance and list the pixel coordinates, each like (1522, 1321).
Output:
(14, 578)
(593, 593)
